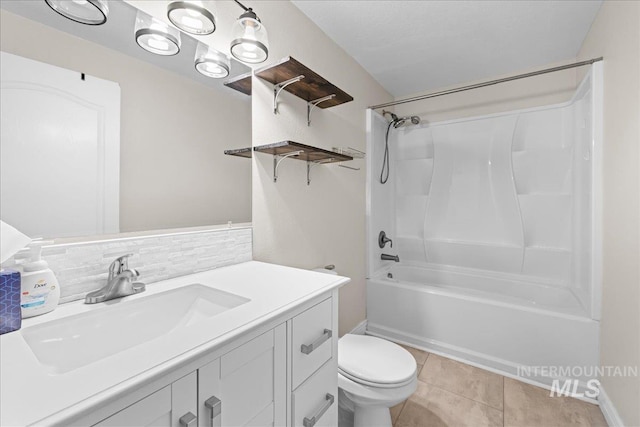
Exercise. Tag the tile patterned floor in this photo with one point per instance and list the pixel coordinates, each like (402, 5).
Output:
(452, 394)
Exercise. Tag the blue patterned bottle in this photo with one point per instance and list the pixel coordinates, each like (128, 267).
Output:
(10, 311)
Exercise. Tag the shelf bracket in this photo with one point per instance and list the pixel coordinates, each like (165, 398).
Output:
(277, 89)
(312, 104)
(311, 164)
(277, 161)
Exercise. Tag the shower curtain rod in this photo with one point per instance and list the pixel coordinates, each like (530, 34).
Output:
(488, 83)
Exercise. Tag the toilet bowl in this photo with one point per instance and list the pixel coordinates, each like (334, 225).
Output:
(373, 376)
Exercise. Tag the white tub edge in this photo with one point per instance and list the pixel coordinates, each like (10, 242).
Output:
(611, 415)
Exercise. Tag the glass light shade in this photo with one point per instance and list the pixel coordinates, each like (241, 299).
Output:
(249, 43)
(191, 17)
(211, 63)
(89, 12)
(155, 36)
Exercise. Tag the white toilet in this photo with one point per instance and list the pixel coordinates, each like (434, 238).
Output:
(373, 376)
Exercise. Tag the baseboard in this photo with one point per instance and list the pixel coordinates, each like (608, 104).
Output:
(360, 329)
(479, 360)
(608, 410)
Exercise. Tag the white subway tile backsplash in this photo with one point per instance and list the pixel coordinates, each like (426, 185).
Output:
(82, 267)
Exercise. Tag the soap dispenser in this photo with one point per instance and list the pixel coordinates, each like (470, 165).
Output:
(40, 289)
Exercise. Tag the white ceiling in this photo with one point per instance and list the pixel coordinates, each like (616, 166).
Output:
(413, 46)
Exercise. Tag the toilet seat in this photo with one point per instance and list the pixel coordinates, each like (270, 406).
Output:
(375, 362)
(374, 384)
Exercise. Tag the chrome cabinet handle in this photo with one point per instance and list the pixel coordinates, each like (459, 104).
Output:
(306, 349)
(215, 405)
(188, 419)
(310, 422)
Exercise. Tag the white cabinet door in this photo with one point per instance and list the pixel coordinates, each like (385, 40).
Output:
(164, 408)
(249, 382)
(184, 401)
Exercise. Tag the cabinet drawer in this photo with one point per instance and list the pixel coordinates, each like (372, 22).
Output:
(315, 403)
(312, 341)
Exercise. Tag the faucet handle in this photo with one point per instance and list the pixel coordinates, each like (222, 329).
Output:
(383, 240)
(119, 265)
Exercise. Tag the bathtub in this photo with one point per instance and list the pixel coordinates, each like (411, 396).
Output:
(498, 322)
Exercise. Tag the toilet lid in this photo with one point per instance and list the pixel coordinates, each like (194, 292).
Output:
(375, 360)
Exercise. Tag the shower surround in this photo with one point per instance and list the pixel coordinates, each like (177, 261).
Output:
(496, 222)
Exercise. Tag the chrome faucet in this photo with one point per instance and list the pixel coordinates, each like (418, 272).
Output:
(121, 282)
(386, 257)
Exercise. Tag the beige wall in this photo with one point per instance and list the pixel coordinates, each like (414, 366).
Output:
(172, 170)
(324, 223)
(615, 34)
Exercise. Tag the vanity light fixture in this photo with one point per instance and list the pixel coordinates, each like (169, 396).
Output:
(89, 12)
(155, 36)
(249, 41)
(211, 63)
(191, 17)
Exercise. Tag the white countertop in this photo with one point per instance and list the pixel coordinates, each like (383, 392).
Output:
(31, 393)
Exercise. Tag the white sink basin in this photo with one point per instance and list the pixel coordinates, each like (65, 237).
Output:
(75, 341)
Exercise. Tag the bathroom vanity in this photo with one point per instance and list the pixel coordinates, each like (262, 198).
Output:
(249, 344)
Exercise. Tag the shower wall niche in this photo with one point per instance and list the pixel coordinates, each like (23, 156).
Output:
(508, 195)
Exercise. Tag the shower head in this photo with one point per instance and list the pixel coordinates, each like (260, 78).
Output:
(397, 122)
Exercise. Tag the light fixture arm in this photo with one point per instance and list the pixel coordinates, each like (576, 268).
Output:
(246, 9)
(248, 12)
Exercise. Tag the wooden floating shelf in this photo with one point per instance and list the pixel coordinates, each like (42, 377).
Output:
(303, 82)
(240, 152)
(293, 150)
(313, 86)
(241, 83)
(303, 152)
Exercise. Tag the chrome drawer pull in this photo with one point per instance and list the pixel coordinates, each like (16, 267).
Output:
(187, 420)
(215, 405)
(306, 349)
(310, 422)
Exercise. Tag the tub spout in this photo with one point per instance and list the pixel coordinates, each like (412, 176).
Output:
(386, 257)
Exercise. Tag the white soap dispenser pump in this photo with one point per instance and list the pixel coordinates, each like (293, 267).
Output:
(40, 288)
